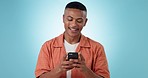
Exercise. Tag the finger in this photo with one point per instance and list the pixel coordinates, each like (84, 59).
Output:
(74, 60)
(64, 57)
(67, 67)
(76, 65)
(65, 63)
(82, 58)
(79, 57)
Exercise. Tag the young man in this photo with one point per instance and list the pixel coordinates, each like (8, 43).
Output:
(91, 62)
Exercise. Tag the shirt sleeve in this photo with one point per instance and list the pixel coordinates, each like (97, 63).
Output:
(101, 65)
(43, 62)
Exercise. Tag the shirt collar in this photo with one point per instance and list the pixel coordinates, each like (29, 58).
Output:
(59, 41)
(84, 41)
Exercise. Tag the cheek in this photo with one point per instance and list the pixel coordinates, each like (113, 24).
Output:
(66, 22)
(66, 25)
(81, 27)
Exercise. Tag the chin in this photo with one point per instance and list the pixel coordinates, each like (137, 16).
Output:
(73, 35)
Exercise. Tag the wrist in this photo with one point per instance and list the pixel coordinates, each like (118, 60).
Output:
(58, 70)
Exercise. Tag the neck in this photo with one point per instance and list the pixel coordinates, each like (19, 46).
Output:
(72, 40)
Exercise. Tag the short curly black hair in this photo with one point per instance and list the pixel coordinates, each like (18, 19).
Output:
(76, 5)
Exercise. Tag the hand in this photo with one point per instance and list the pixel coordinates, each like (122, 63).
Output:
(65, 65)
(80, 63)
(60, 69)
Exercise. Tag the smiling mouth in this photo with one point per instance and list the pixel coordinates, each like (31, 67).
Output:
(73, 29)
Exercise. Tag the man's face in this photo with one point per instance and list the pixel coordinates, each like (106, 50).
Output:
(74, 20)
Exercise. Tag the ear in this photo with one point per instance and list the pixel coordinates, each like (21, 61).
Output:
(85, 21)
(63, 18)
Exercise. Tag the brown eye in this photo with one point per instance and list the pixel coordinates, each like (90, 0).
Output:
(80, 20)
(69, 18)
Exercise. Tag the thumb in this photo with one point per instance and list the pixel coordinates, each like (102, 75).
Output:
(64, 57)
(81, 57)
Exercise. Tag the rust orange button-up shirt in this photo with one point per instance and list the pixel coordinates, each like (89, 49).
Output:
(53, 50)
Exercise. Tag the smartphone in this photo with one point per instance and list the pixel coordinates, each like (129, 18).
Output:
(72, 55)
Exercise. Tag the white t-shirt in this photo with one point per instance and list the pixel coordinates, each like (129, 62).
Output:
(70, 48)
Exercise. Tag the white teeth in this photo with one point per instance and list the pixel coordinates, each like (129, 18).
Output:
(73, 29)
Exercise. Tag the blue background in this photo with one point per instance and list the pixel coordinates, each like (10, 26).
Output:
(120, 25)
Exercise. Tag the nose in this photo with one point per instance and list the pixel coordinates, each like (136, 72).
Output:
(74, 23)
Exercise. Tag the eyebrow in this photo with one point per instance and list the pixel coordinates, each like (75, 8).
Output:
(76, 18)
